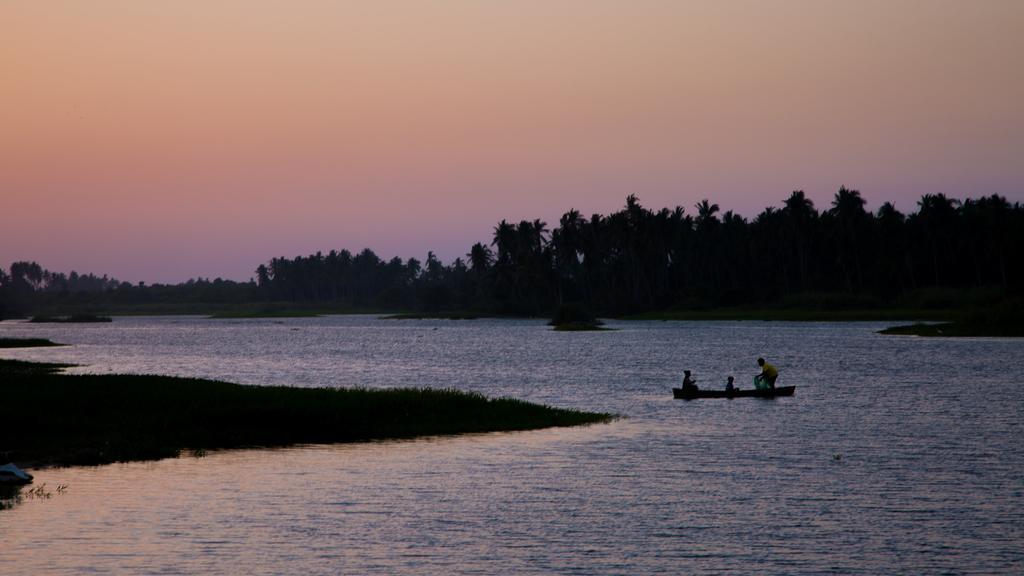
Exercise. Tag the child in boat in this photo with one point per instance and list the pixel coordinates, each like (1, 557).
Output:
(689, 383)
(728, 385)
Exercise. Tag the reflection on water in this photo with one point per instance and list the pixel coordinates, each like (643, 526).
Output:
(928, 479)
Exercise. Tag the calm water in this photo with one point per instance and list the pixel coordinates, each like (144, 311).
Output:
(930, 480)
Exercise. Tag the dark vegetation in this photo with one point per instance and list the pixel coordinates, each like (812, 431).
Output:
(72, 319)
(93, 419)
(269, 313)
(454, 315)
(575, 317)
(922, 329)
(581, 327)
(26, 343)
(1004, 320)
(947, 259)
(792, 313)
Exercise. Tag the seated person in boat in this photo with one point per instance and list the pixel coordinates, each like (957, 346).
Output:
(729, 385)
(689, 383)
(769, 374)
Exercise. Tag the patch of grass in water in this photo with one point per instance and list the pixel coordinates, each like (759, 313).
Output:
(12, 368)
(435, 316)
(581, 327)
(94, 419)
(73, 319)
(575, 317)
(287, 311)
(792, 315)
(957, 329)
(236, 314)
(26, 343)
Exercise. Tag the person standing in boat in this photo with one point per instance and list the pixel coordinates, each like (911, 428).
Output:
(689, 383)
(728, 385)
(769, 374)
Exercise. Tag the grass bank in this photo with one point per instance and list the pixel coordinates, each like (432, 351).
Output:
(1005, 319)
(455, 315)
(26, 343)
(72, 319)
(581, 327)
(957, 329)
(797, 314)
(218, 309)
(93, 419)
(267, 314)
(288, 310)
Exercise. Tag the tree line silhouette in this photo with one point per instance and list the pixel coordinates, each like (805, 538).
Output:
(635, 260)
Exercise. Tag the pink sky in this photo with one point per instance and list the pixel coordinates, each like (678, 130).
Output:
(160, 141)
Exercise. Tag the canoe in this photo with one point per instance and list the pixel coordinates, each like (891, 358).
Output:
(679, 394)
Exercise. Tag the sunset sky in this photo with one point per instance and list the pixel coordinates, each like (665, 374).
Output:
(160, 141)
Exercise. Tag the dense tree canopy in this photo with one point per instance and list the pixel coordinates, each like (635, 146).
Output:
(634, 260)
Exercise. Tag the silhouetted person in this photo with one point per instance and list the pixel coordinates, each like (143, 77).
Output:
(768, 374)
(689, 383)
(729, 386)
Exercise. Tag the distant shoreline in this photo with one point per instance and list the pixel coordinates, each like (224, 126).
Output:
(799, 314)
(926, 322)
(297, 310)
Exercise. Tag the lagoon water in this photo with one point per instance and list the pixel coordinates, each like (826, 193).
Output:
(896, 455)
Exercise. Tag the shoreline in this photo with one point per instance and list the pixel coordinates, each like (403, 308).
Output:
(799, 315)
(956, 330)
(906, 321)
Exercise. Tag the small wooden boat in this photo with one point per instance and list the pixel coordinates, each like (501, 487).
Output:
(680, 394)
(11, 475)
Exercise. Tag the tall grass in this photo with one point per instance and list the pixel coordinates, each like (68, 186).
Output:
(89, 419)
(72, 319)
(26, 342)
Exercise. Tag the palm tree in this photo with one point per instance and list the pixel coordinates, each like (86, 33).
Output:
(895, 261)
(705, 248)
(799, 219)
(986, 237)
(566, 241)
(480, 258)
(852, 223)
(937, 219)
(705, 213)
(504, 241)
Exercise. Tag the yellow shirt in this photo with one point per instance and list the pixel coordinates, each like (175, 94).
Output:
(769, 371)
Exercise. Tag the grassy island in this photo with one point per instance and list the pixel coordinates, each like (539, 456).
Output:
(293, 310)
(1003, 320)
(436, 316)
(581, 327)
(794, 314)
(66, 419)
(238, 314)
(72, 319)
(575, 317)
(26, 343)
(957, 329)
